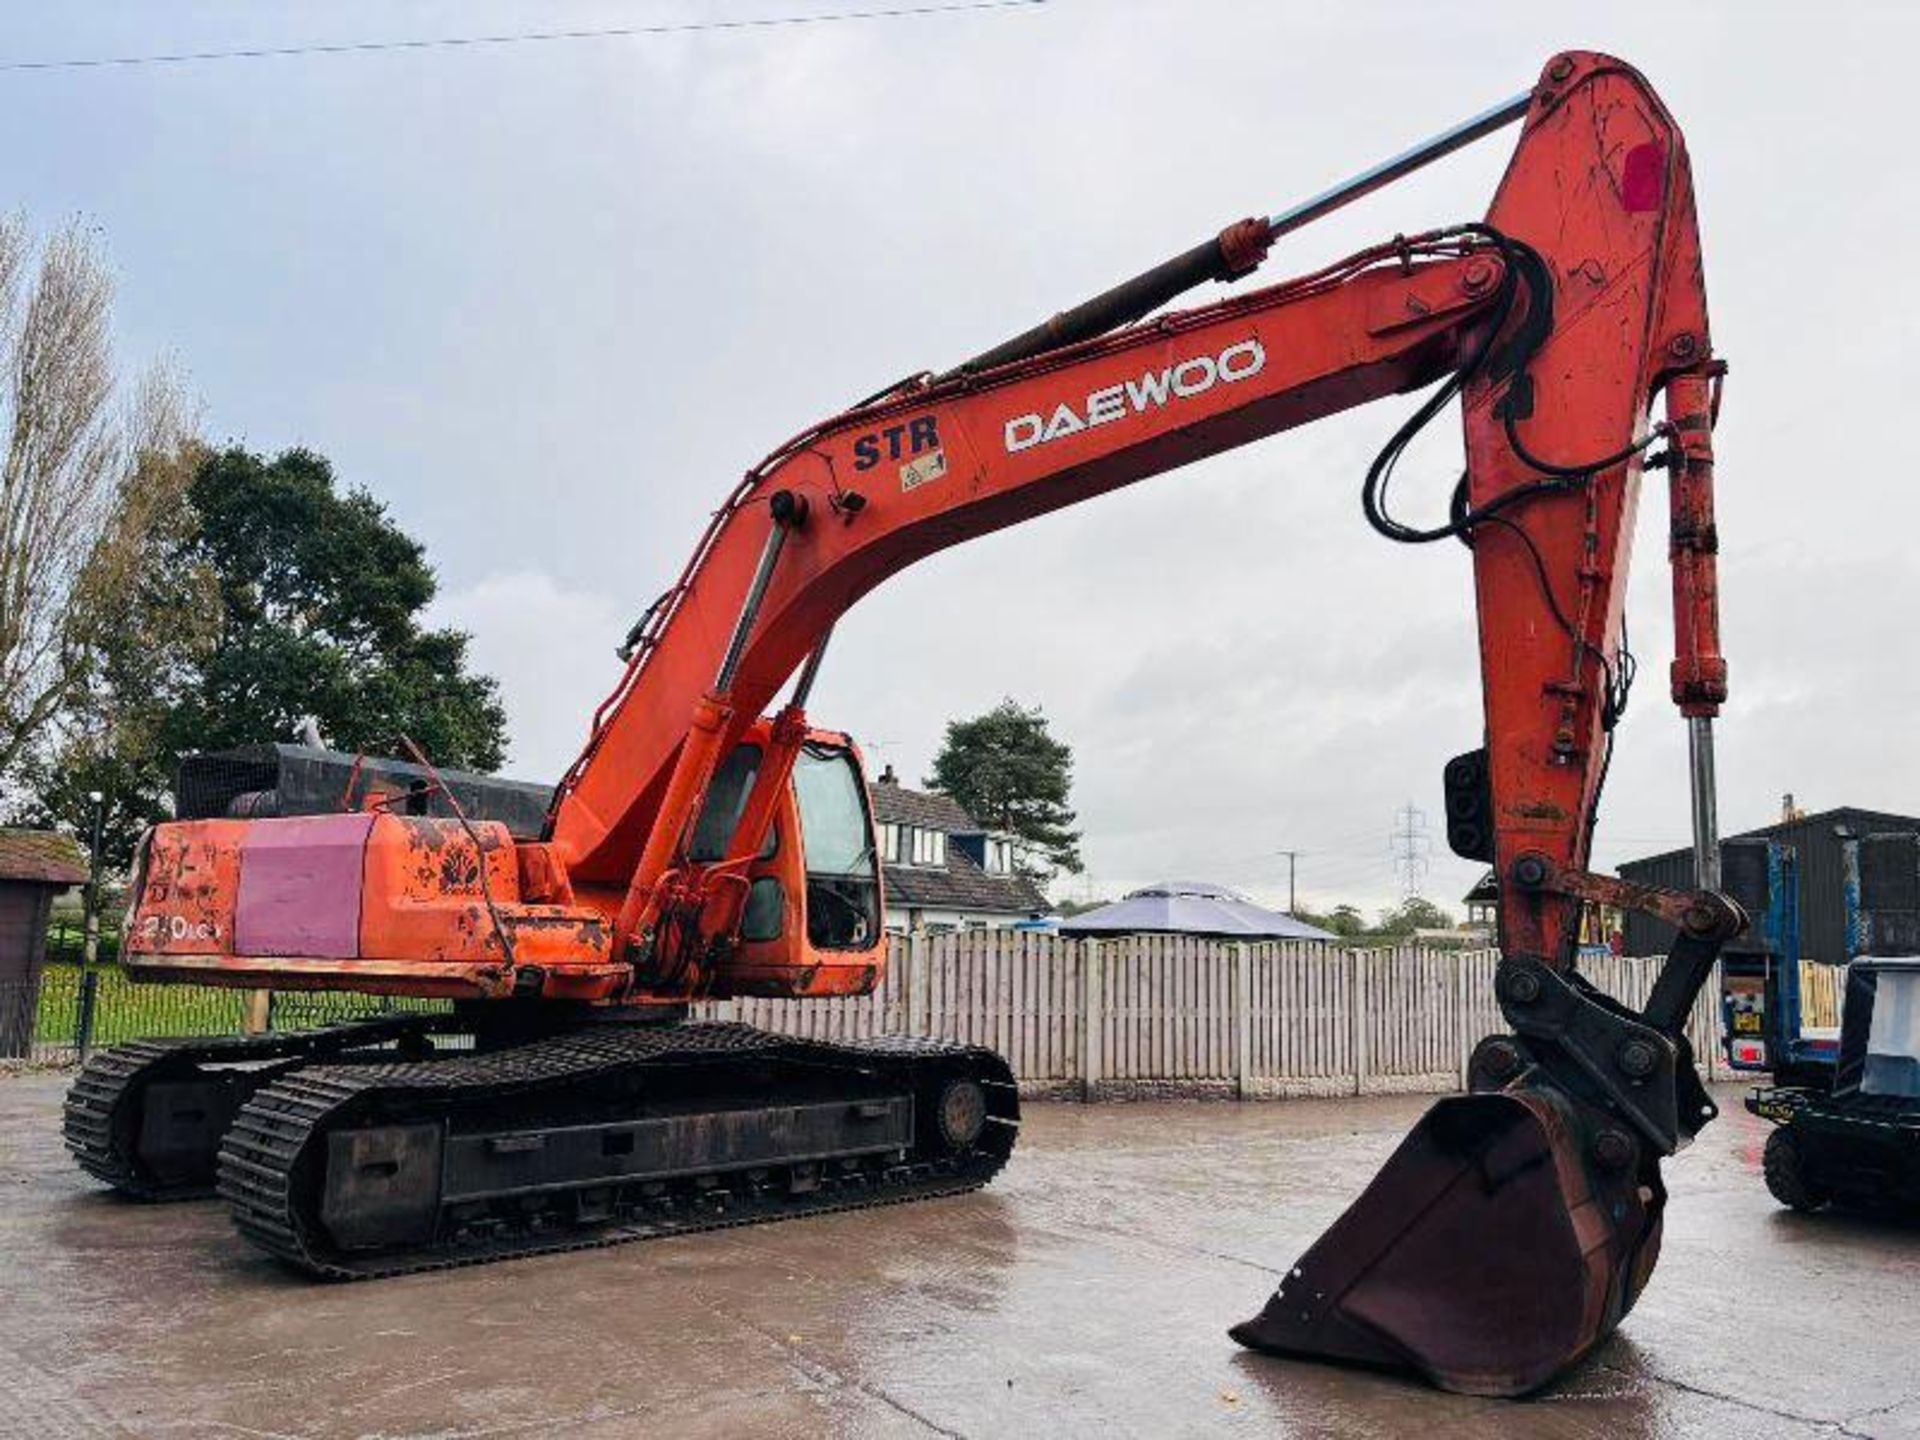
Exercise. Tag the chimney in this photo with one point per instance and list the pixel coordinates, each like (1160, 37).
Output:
(887, 777)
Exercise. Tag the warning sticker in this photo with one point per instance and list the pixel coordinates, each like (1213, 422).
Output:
(917, 472)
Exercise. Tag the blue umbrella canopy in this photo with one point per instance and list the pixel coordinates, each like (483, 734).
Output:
(1191, 907)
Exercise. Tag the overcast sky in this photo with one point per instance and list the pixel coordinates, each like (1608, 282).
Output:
(547, 301)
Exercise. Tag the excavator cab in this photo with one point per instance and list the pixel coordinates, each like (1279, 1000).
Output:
(811, 918)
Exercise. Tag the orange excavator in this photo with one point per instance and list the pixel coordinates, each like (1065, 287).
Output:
(707, 844)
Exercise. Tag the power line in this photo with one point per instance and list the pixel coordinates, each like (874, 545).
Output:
(1347, 845)
(526, 37)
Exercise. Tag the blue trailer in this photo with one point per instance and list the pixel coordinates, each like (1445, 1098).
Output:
(1847, 1119)
(1760, 1001)
(1761, 978)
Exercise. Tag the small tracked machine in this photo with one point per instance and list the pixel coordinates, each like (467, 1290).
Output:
(710, 841)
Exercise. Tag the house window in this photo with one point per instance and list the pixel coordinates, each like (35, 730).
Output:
(999, 857)
(912, 845)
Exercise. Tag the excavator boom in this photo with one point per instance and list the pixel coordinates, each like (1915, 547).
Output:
(1588, 265)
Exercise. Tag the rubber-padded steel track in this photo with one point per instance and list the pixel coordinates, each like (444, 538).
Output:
(273, 1160)
(103, 1107)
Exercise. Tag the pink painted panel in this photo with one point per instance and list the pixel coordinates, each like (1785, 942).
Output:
(300, 886)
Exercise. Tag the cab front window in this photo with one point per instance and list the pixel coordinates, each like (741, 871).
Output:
(843, 881)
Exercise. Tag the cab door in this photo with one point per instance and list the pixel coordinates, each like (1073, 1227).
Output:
(813, 919)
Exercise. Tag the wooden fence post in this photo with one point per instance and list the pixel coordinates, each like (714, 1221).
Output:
(1357, 1019)
(1463, 1037)
(1093, 1005)
(917, 998)
(906, 980)
(1718, 1033)
(1240, 1011)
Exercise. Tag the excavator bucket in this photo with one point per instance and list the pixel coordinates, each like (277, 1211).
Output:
(1491, 1252)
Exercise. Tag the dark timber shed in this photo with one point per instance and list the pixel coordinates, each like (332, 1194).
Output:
(1817, 839)
(35, 865)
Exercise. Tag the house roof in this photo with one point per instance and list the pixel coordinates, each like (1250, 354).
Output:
(962, 885)
(1191, 907)
(895, 804)
(43, 856)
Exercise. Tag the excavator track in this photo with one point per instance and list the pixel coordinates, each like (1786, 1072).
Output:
(602, 1136)
(146, 1117)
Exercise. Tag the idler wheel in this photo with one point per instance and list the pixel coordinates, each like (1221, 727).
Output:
(962, 1112)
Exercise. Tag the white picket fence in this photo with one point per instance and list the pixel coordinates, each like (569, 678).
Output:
(1167, 1016)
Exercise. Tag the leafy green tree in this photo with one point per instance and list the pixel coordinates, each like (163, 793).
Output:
(1413, 913)
(1343, 920)
(320, 597)
(1011, 774)
(261, 595)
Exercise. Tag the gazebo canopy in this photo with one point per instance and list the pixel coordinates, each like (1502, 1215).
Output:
(1191, 907)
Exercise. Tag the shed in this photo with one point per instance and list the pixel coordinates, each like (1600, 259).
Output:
(35, 865)
(1816, 839)
(1190, 907)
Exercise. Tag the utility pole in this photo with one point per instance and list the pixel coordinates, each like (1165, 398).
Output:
(91, 945)
(1293, 856)
(90, 952)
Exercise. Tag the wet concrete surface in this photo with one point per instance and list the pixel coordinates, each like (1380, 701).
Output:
(1086, 1293)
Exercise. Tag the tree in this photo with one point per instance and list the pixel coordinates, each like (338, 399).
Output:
(263, 596)
(108, 740)
(1009, 773)
(1346, 921)
(320, 597)
(1413, 913)
(77, 506)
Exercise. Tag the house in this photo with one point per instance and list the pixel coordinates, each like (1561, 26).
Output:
(1483, 903)
(1818, 841)
(944, 870)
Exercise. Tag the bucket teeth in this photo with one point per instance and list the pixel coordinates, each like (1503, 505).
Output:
(1483, 1256)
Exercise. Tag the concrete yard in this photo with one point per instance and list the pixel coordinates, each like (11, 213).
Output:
(1086, 1293)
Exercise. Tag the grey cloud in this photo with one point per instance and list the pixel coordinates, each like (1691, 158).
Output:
(549, 302)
